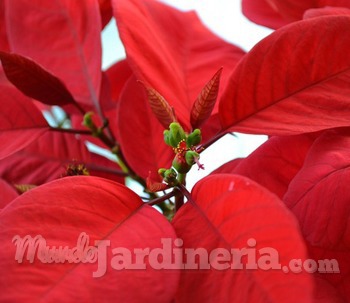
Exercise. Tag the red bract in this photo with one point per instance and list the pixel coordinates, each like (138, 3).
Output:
(140, 133)
(230, 211)
(168, 49)
(277, 13)
(261, 12)
(318, 196)
(104, 210)
(265, 163)
(280, 89)
(74, 29)
(7, 193)
(48, 158)
(20, 121)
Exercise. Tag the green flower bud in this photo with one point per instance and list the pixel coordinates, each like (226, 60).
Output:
(88, 120)
(191, 157)
(170, 176)
(177, 133)
(194, 138)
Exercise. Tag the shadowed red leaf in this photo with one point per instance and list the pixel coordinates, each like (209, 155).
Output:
(72, 50)
(34, 81)
(60, 211)
(307, 88)
(47, 158)
(229, 212)
(7, 193)
(20, 121)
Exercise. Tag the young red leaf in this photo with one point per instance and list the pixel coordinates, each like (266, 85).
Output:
(177, 67)
(205, 102)
(140, 133)
(265, 163)
(233, 212)
(34, 81)
(47, 159)
(20, 121)
(72, 50)
(307, 88)
(159, 106)
(7, 193)
(262, 13)
(60, 212)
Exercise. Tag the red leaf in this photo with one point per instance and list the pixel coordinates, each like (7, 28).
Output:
(47, 158)
(227, 211)
(34, 81)
(325, 11)
(205, 102)
(72, 50)
(20, 121)
(319, 195)
(106, 11)
(262, 13)
(140, 133)
(172, 51)
(293, 10)
(306, 90)
(7, 193)
(118, 74)
(160, 107)
(265, 164)
(102, 209)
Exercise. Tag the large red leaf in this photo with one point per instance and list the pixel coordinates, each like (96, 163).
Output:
(64, 37)
(319, 197)
(172, 51)
(140, 133)
(60, 211)
(20, 121)
(228, 211)
(47, 159)
(7, 193)
(296, 80)
(262, 13)
(265, 164)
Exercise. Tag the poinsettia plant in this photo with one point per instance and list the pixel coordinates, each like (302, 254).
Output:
(271, 227)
